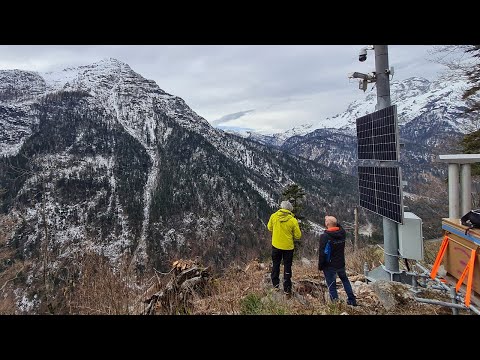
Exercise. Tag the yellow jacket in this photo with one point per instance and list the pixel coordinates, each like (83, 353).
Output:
(284, 228)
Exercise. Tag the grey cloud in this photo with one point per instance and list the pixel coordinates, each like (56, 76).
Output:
(218, 81)
(229, 117)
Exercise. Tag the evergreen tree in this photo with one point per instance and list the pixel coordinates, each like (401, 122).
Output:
(296, 194)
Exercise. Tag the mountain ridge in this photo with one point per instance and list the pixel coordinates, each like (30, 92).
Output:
(414, 96)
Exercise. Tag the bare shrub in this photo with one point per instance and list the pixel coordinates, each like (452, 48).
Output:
(355, 261)
(96, 287)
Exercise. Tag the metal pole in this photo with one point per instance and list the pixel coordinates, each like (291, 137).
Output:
(414, 283)
(447, 304)
(383, 76)
(390, 229)
(453, 296)
(355, 245)
(441, 303)
(453, 191)
(441, 284)
(466, 180)
(474, 309)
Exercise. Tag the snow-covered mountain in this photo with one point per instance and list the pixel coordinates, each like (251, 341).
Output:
(98, 158)
(430, 115)
(415, 97)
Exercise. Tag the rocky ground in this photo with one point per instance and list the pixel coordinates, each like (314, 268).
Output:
(247, 290)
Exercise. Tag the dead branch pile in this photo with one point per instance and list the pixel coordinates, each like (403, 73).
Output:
(186, 280)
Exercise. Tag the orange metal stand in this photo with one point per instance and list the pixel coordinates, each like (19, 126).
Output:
(439, 258)
(468, 269)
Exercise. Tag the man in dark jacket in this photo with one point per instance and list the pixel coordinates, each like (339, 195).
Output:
(336, 234)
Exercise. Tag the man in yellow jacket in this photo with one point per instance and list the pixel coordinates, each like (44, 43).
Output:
(284, 228)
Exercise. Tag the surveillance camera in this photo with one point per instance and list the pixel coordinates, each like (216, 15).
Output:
(362, 56)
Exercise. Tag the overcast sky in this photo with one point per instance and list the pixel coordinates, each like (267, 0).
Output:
(269, 88)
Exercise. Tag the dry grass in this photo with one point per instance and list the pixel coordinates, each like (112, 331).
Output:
(229, 290)
(247, 291)
(83, 284)
(430, 250)
(355, 260)
(91, 286)
(99, 288)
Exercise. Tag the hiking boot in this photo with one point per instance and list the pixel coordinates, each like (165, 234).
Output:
(352, 302)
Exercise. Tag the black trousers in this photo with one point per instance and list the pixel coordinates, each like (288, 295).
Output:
(277, 256)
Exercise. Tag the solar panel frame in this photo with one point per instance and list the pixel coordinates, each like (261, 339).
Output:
(377, 135)
(380, 191)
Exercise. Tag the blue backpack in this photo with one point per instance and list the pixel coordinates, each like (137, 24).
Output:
(328, 251)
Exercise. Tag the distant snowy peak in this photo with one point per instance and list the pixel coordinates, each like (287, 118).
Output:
(133, 100)
(104, 73)
(299, 130)
(279, 138)
(413, 96)
(412, 86)
(58, 80)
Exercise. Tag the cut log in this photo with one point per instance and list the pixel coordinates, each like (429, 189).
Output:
(191, 283)
(186, 278)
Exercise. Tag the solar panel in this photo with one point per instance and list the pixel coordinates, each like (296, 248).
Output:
(377, 135)
(380, 191)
